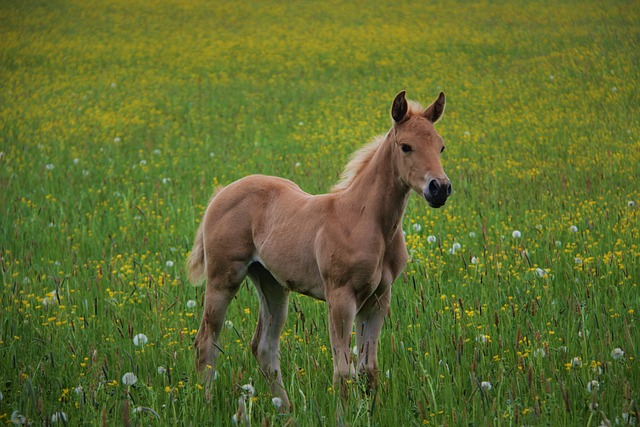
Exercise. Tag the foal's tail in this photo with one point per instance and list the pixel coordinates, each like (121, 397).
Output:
(195, 263)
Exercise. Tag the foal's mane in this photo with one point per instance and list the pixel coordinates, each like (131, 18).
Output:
(357, 162)
(360, 158)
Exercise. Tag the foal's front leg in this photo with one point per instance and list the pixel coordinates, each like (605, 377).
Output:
(342, 310)
(369, 321)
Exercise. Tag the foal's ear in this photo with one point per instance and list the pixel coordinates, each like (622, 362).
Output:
(399, 108)
(435, 110)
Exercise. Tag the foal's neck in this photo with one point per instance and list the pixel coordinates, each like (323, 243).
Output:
(378, 190)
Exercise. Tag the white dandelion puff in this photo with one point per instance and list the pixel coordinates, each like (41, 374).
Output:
(191, 303)
(472, 234)
(576, 362)
(248, 388)
(59, 416)
(277, 402)
(474, 260)
(169, 264)
(49, 166)
(486, 385)
(129, 378)
(593, 385)
(617, 353)
(541, 272)
(140, 339)
(431, 239)
(416, 227)
(456, 246)
(355, 350)
(573, 229)
(162, 370)
(18, 419)
(516, 234)
(78, 390)
(116, 139)
(228, 324)
(631, 203)
(482, 338)
(539, 352)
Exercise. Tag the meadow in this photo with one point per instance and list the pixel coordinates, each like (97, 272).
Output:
(520, 303)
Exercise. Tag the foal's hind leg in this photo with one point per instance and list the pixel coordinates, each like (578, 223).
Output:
(221, 288)
(274, 300)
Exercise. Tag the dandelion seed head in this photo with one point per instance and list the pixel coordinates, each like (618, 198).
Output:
(516, 234)
(140, 339)
(162, 370)
(539, 352)
(129, 378)
(617, 353)
(593, 385)
(355, 350)
(631, 203)
(49, 166)
(541, 272)
(456, 246)
(472, 234)
(78, 390)
(431, 239)
(474, 260)
(482, 338)
(576, 362)
(277, 402)
(248, 388)
(169, 264)
(191, 303)
(416, 227)
(228, 324)
(59, 416)
(116, 139)
(486, 385)
(18, 419)
(573, 229)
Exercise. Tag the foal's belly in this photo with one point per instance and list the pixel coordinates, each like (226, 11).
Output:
(293, 277)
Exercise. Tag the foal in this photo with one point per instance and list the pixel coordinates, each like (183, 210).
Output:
(345, 247)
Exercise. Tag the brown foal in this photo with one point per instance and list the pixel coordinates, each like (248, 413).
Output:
(345, 247)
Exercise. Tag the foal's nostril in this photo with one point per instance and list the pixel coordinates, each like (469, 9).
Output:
(434, 186)
(449, 190)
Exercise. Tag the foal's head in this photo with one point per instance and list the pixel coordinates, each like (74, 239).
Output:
(417, 148)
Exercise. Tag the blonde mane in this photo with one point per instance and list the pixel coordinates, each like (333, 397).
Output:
(360, 158)
(357, 162)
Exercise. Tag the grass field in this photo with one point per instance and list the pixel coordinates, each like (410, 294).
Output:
(520, 304)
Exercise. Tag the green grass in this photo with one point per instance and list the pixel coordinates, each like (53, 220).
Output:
(118, 119)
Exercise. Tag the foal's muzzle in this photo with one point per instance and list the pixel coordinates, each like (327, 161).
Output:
(437, 192)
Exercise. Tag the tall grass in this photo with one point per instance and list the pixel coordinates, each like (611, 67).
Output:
(118, 119)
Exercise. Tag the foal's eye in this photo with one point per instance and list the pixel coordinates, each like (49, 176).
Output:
(405, 148)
